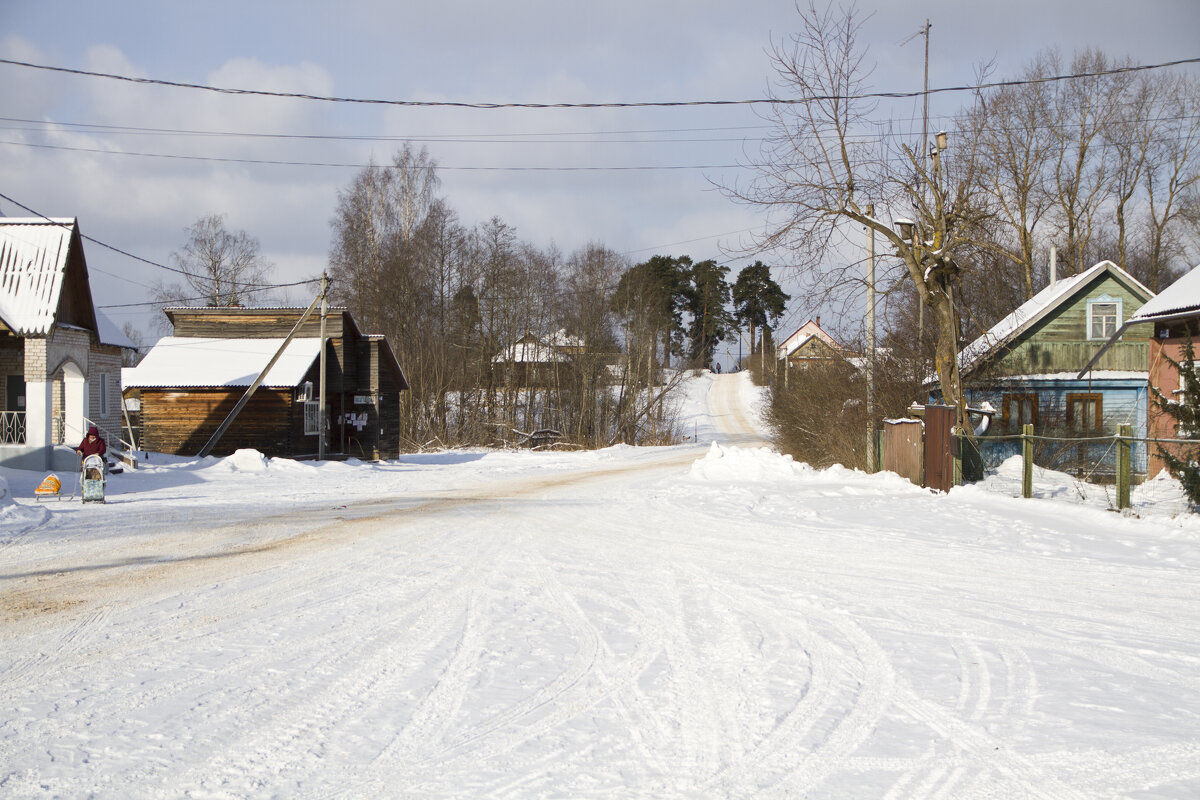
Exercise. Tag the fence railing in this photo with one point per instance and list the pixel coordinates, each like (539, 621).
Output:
(117, 445)
(1092, 458)
(12, 427)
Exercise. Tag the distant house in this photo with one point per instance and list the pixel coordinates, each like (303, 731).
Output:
(1026, 367)
(1169, 320)
(188, 383)
(809, 345)
(61, 359)
(533, 360)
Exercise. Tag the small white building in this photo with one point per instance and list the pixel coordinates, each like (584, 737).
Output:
(61, 360)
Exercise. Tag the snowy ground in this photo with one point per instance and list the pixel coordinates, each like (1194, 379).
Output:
(701, 621)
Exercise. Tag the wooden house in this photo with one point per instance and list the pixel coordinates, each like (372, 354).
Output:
(188, 383)
(810, 345)
(60, 357)
(1169, 320)
(535, 360)
(1025, 369)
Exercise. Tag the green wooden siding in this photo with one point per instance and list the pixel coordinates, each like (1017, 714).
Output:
(1059, 343)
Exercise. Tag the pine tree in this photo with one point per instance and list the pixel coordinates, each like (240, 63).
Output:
(1183, 463)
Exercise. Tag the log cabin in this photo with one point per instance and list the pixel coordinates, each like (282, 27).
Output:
(189, 382)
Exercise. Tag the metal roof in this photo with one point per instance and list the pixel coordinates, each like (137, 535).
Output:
(191, 361)
(33, 261)
(1180, 297)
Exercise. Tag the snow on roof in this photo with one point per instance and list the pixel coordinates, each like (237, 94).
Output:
(110, 334)
(33, 261)
(529, 352)
(540, 350)
(199, 361)
(1033, 310)
(1180, 297)
(801, 336)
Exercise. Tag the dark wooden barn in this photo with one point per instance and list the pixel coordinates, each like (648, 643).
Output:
(189, 382)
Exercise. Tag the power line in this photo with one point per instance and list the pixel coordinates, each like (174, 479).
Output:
(565, 137)
(260, 286)
(349, 165)
(559, 137)
(645, 104)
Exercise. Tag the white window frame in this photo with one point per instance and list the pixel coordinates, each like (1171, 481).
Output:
(1103, 300)
(312, 410)
(103, 394)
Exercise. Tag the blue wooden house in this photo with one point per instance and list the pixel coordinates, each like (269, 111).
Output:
(1026, 370)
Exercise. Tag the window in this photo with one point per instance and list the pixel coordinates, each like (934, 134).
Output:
(311, 418)
(1019, 410)
(1103, 317)
(1084, 412)
(103, 394)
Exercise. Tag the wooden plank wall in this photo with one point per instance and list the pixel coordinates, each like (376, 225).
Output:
(181, 422)
(904, 449)
(234, 323)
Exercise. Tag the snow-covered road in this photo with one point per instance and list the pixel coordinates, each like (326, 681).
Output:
(704, 621)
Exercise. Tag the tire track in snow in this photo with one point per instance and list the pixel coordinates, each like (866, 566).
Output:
(344, 688)
(865, 683)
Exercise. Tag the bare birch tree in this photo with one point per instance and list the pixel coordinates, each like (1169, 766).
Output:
(219, 267)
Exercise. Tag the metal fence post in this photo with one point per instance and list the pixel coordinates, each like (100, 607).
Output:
(956, 440)
(1027, 461)
(1124, 433)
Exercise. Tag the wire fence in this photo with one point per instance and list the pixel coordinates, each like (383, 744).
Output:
(1121, 459)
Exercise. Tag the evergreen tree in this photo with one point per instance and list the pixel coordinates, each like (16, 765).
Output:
(1183, 463)
(706, 302)
(651, 297)
(758, 301)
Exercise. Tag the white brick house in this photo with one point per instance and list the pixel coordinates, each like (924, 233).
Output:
(60, 359)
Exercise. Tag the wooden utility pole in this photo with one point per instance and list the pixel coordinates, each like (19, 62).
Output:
(871, 466)
(321, 406)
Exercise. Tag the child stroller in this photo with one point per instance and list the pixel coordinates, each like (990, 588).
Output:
(92, 479)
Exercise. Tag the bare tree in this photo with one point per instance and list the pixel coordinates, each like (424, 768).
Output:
(1015, 150)
(219, 267)
(820, 178)
(1172, 177)
(130, 358)
(1081, 111)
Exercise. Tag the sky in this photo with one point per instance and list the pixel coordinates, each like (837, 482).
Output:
(641, 181)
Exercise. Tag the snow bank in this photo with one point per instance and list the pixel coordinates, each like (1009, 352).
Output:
(1161, 499)
(739, 464)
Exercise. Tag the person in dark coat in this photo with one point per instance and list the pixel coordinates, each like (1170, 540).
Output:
(92, 444)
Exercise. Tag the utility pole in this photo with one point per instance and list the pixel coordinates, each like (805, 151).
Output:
(924, 153)
(871, 466)
(321, 408)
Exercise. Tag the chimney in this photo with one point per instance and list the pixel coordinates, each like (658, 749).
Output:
(818, 320)
(1053, 265)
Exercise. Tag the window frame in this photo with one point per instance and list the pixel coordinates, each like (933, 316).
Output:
(1103, 300)
(1074, 399)
(1018, 399)
(103, 404)
(312, 411)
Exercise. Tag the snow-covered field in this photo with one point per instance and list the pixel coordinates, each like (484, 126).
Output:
(701, 621)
